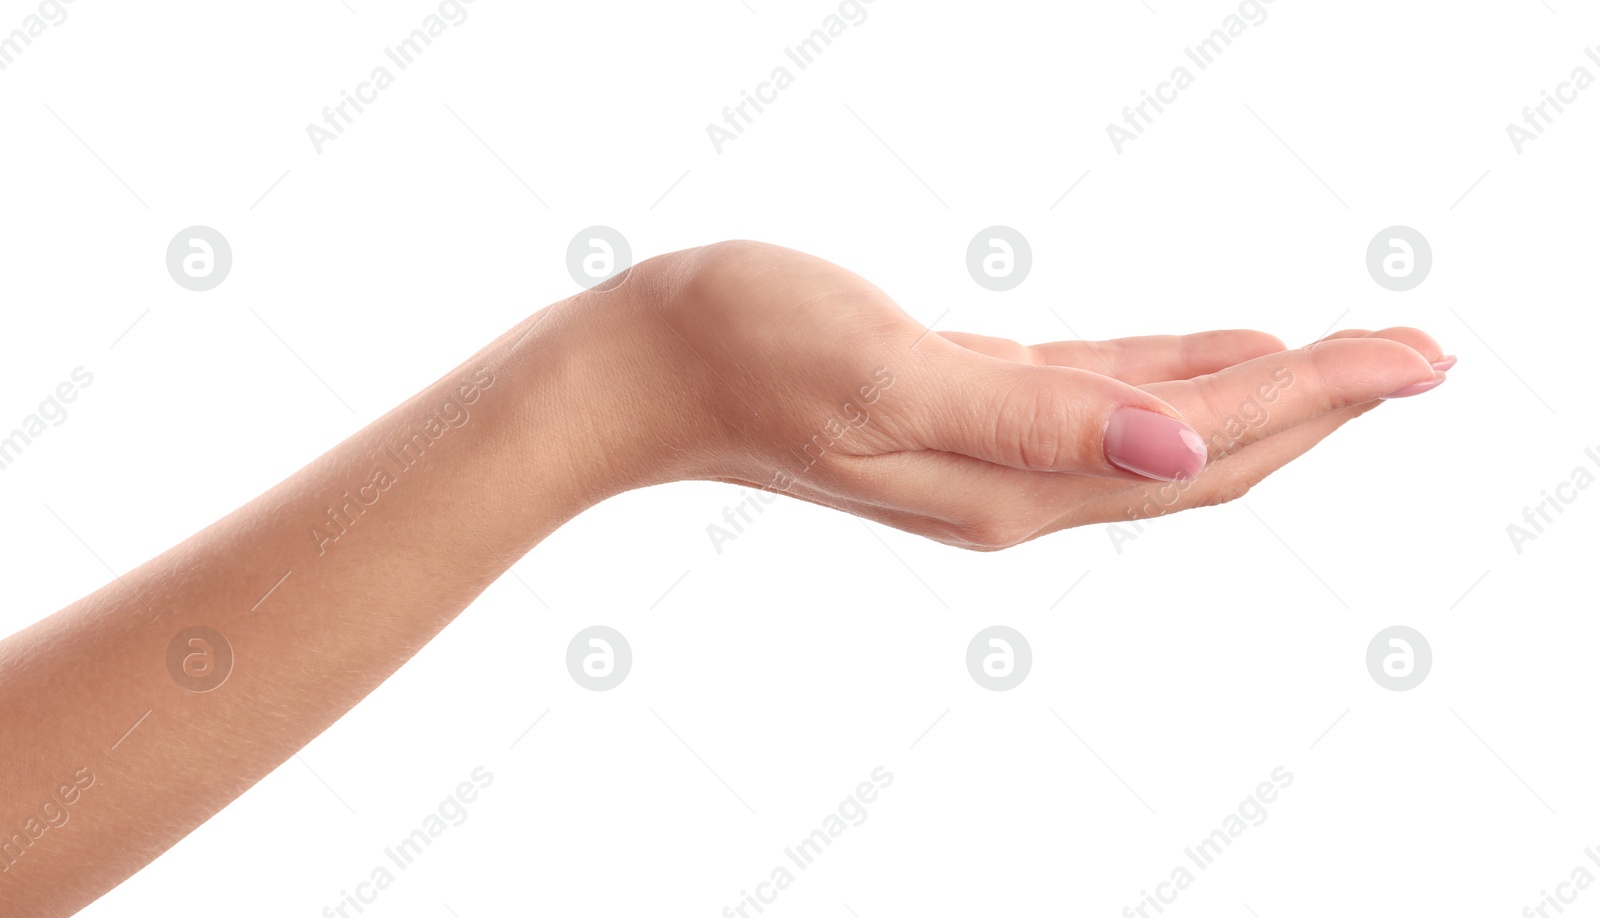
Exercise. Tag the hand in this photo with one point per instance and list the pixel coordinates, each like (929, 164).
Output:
(735, 362)
(781, 371)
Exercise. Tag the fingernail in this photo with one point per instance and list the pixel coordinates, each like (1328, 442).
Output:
(1444, 363)
(1153, 445)
(1418, 388)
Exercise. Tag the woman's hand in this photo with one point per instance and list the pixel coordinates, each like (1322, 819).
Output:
(736, 362)
(770, 368)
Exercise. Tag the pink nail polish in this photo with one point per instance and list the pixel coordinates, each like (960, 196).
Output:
(1153, 445)
(1418, 388)
(1444, 363)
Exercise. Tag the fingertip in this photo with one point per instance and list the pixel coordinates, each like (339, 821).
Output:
(1427, 385)
(1356, 370)
(1414, 338)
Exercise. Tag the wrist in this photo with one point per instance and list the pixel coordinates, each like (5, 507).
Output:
(602, 400)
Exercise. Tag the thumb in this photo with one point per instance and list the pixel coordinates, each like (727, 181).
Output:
(1060, 419)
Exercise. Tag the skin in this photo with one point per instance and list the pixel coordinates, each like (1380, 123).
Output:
(736, 362)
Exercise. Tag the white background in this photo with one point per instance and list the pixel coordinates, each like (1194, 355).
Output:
(1169, 678)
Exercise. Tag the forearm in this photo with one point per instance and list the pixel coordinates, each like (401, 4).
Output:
(321, 588)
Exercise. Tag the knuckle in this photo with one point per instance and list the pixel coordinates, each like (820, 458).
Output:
(735, 251)
(1040, 428)
(1320, 358)
(720, 268)
(1228, 490)
(992, 534)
